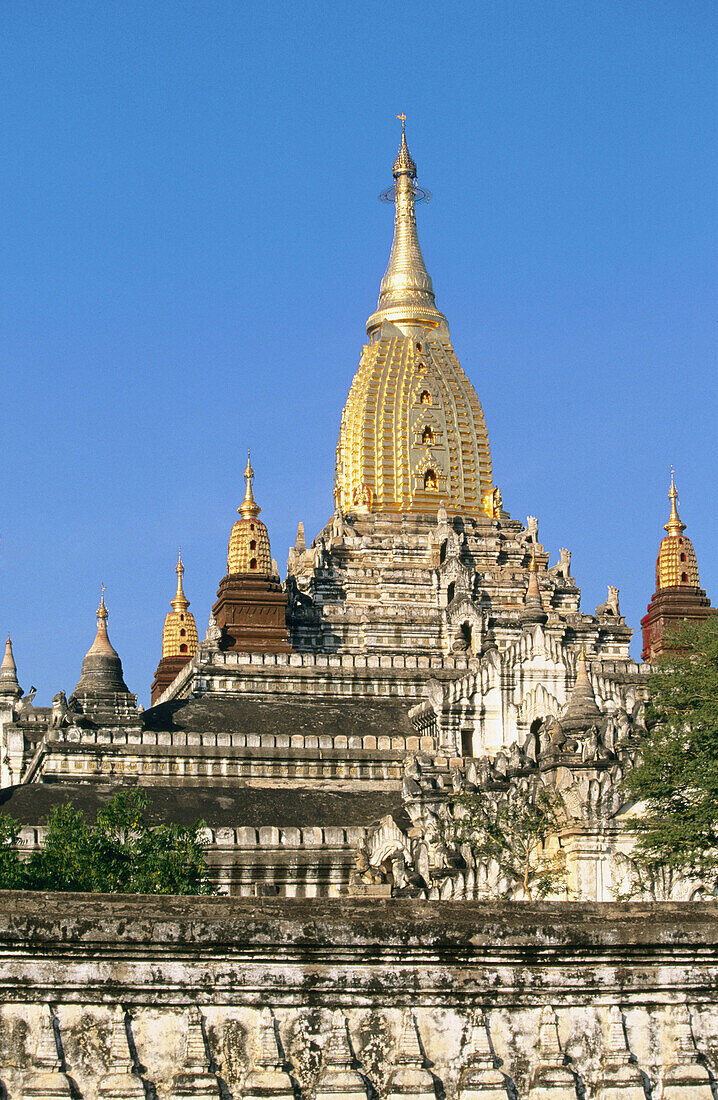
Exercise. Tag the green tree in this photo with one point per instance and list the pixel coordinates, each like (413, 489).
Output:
(11, 870)
(120, 853)
(677, 775)
(511, 829)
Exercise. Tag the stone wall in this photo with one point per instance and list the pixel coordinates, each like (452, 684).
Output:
(361, 998)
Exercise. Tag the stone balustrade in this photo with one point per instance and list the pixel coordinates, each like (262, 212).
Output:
(370, 998)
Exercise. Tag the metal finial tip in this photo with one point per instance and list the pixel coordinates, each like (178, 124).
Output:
(402, 118)
(582, 654)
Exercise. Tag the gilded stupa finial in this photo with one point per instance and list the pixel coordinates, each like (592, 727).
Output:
(102, 610)
(180, 602)
(407, 293)
(249, 509)
(674, 525)
(404, 163)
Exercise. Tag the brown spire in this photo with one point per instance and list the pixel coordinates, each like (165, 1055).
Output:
(101, 667)
(582, 709)
(8, 674)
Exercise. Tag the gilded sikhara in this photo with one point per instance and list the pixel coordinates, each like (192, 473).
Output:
(412, 431)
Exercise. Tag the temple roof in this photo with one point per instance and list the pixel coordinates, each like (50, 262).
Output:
(218, 806)
(307, 715)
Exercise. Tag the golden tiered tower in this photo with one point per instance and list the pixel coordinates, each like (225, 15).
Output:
(678, 598)
(412, 431)
(179, 638)
(676, 563)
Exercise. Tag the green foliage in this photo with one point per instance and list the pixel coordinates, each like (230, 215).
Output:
(511, 830)
(10, 866)
(121, 853)
(677, 776)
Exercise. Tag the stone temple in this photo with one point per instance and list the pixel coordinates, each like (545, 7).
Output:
(422, 646)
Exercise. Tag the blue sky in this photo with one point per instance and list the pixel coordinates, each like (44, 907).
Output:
(191, 244)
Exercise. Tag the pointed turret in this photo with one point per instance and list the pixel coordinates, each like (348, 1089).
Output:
(249, 550)
(581, 709)
(179, 638)
(249, 509)
(533, 611)
(180, 602)
(101, 667)
(678, 598)
(412, 431)
(407, 294)
(251, 606)
(10, 689)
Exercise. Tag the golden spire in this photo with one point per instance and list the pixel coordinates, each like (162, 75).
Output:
(674, 525)
(180, 602)
(179, 636)
(407, 293)
(676, 564)
(249, 509)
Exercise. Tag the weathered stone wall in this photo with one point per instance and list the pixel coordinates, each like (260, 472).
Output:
(356, 998)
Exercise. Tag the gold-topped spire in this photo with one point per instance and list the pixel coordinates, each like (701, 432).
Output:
(180, 602)
(404, 161)
(102, 642)
(676, 564)
(674, 525)
(101, 666)
(179, 636)
(407, 293)
(249, 509)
